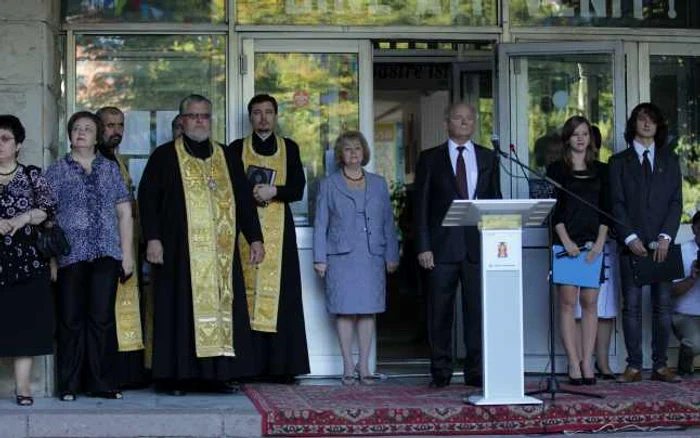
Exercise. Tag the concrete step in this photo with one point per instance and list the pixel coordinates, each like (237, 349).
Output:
(142, 413)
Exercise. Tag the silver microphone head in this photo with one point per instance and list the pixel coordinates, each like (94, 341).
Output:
(588, 245)
(653, 246)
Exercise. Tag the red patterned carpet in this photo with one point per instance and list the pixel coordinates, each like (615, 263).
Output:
(394, 408)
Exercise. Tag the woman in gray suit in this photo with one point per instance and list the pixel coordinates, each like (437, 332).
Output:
(355, 243)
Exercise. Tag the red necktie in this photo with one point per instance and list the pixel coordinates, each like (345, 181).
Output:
(462, 188)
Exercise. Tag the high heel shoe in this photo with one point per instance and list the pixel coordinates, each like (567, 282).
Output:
(574, 381)
(602, 375)
(587, 380)
(23, 400)
(364, 380)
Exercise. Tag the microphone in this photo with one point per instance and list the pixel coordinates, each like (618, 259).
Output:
(653, 245)
(585, 247)
(496, 142)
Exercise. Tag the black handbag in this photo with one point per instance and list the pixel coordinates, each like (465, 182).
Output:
(646, 271)
(52, 242)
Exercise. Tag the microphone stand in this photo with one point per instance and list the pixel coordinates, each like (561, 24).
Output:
(553, 387)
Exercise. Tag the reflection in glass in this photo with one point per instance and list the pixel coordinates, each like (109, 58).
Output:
(178, 11)
(369, 12)
(318, 96)
(147, 76)
(678, 14)
(675, 87)
(557, 89)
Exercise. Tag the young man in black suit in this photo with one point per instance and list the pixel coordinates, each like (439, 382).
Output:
(645, 185)
(457, 169)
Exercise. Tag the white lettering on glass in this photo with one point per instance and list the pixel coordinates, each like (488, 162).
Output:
(600, 8)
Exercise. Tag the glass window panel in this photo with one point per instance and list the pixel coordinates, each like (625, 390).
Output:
(147, 76)
(675, 87)
(178, 11)
(552, 88)
(369, 12)
(318, 97)
(680, 14)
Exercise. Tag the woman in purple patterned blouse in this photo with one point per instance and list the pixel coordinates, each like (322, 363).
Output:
(26, 310)
(94, 210)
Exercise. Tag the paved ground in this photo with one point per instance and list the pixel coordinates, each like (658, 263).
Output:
(140, 414)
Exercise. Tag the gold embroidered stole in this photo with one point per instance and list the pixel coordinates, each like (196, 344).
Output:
(127, 309)
(263, 282)
(211, 233)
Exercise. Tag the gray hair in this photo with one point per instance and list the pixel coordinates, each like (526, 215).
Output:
(452, 106)
(193, 98)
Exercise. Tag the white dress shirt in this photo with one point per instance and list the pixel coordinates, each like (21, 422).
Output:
(469, 160)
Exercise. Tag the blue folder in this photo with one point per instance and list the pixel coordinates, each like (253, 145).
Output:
(576, 271)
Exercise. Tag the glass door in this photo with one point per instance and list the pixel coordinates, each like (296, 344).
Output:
(540, 86)
(323, 88)
(674, 86)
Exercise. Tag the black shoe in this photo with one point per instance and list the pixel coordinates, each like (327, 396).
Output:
(231, 387)
(590, 381)
(474, 380)
(602, 375)
(439, 382)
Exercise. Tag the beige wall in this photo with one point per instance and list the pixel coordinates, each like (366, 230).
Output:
(30, 89)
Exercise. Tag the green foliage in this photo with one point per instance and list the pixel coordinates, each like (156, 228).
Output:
(399, 198)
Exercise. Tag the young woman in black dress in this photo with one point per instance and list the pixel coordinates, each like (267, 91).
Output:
(575, 224)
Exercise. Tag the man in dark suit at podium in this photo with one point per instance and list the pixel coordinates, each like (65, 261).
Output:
(457, 169)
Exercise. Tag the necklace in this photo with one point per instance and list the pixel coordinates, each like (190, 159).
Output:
(10, 172)
(211, 182)
(359, 178)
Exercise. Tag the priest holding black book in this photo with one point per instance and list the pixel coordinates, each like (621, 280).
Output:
(273, 290)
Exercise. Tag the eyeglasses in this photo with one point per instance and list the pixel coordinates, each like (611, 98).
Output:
(197, 116)
(6, 139)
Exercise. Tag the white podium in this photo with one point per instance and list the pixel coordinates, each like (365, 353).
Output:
(501, 222)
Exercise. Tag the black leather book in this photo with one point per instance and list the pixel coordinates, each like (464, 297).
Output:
(260, 175)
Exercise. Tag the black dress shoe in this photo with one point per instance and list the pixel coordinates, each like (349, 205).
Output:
(438, 382)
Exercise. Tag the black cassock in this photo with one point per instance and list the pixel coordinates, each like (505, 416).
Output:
(283, 353)
(164, 217)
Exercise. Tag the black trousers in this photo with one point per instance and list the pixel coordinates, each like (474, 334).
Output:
(442, 283)
(87, 337)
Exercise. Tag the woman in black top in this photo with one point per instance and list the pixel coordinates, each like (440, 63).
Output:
(575, 224)
(26, 304)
